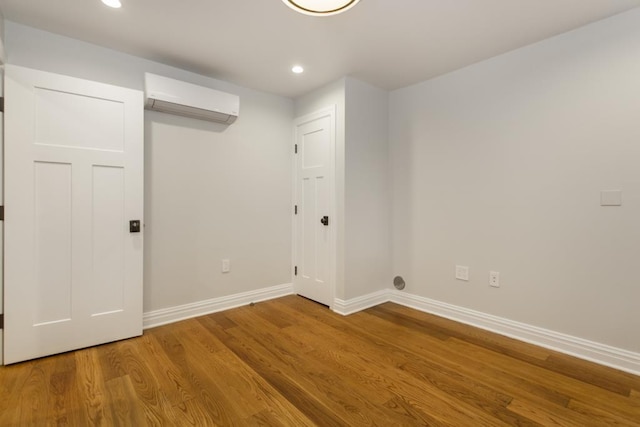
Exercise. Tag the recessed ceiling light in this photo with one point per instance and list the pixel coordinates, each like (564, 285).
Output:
(297, 69)
(112, 3)
(320, 7)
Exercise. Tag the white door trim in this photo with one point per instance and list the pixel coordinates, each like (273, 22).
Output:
(1, 203)
(334, 221)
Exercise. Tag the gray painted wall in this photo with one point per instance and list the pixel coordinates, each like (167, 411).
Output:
(209, 193)
(500, 166)
(367, 190)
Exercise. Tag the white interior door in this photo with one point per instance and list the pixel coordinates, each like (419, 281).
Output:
(314, 261)
(73, 180)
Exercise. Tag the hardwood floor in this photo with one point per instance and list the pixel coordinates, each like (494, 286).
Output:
(291, 362)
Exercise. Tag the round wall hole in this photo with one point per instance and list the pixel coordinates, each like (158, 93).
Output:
(399, 283)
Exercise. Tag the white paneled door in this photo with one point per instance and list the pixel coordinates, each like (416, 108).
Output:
(314, 257)
(73, 182)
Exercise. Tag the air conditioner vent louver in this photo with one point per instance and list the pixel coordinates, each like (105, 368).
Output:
(185, 99)
(196, 113)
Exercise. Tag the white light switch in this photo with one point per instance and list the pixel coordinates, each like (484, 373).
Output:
(611, 198)
(462, 272)
(226, 265)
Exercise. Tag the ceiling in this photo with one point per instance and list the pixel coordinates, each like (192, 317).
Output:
(254, 43)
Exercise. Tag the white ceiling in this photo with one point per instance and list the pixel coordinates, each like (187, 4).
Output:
(254, 43)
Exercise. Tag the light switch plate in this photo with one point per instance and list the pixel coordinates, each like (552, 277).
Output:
(611, 198)
(462, 272)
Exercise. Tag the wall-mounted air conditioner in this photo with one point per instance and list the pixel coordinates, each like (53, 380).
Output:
(186, 99)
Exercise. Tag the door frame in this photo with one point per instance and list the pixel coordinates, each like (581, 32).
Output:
(331, 112)
(2, 204)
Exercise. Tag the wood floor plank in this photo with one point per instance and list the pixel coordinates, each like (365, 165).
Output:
(602, 376)
(270, 369)
(522, 374)
(540, 414)
(274, 316)
(242, 390)
(450, 363)
(211, 399)
(12, 379)
(172, 384)
(449, 328)
(445, 389)
(345, 345)
(326, 374)
(262, 360)
(587, 392)
(251, 393)
(263, 418)
(33, 398)
(123, 359)
(64, 400)
(441, 353)
(125, 409)
(564, 416)
(92, 389)
(414, 416)
(291, 362)
(599, 415)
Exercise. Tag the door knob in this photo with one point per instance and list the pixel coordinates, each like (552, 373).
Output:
(134, 226)
(324, 220)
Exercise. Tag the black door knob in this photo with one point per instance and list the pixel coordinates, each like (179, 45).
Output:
(324, 220)
(134, 226)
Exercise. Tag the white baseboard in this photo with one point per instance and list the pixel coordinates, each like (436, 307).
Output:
(361, 303)
(602, 354)
(174, 314)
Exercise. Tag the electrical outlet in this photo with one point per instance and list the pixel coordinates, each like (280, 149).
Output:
(494, 279)
(226, 266)
(462, 272)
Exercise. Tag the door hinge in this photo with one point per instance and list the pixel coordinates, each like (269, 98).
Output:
(1, 321)
(295, 270)
(1, 104)
(296, 149)
(295, 210)
(1, 213)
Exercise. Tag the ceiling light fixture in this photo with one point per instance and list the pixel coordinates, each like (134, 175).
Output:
(320, 7)
(113, 3)
(297, 69)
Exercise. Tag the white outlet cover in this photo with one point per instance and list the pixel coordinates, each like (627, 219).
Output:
(462, 272)
(226, 265)
(494, 279)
